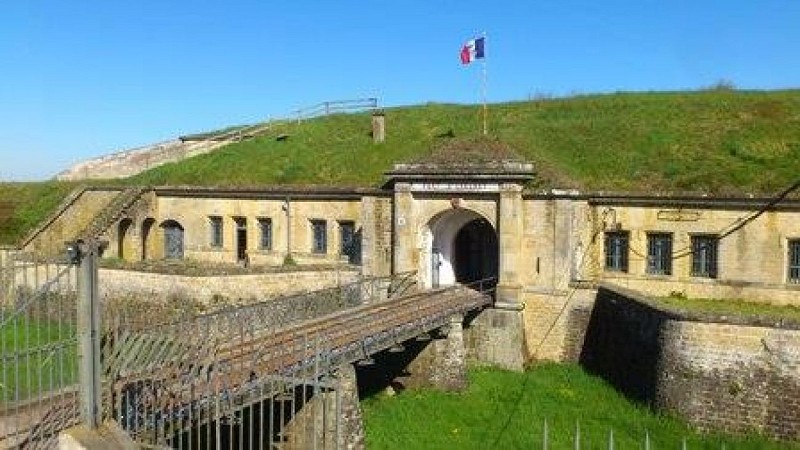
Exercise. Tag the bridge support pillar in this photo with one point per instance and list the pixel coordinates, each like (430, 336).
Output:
(351, 434)
(496, 338)
(329, 420)
(442, 363)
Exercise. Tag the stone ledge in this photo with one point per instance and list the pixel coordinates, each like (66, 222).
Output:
(108, 436)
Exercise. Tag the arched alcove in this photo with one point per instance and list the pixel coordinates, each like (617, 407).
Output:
(147, 227)
(123, 229)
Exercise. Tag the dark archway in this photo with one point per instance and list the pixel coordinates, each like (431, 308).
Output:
(173, 239)
(475, 252)
(122, 233)
(147, 225)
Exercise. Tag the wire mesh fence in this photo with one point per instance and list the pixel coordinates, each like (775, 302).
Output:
(38, 344)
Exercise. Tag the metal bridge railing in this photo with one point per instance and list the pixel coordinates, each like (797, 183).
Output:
(254, 376)
(218, 374)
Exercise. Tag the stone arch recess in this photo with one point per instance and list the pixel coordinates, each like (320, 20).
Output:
(146, 237)
(124, 244)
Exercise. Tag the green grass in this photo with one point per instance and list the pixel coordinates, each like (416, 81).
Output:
(729, 307)
(24, 205)
(38, 356)
(506, 410)
(716, 141)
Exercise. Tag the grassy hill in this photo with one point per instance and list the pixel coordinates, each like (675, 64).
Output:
(24, 205)
(713, 141)
(716, 141)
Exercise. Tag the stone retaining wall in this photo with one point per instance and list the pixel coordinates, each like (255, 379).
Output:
(716, 375)
(119, 283)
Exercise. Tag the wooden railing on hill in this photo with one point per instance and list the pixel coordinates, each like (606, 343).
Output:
(337, 106)
(131, 162)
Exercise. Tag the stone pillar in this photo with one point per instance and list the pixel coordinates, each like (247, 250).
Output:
(330, 420)
(498, 335)
(510, 224)
(404, 237)
(369, 247)
(351, 434)
(442, 364)
(378, 126)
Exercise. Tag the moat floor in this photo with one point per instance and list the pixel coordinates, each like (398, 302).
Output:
(506, 410)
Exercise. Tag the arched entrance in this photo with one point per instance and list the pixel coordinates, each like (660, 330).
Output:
(460, 247)
(122, 233)
(173, 239)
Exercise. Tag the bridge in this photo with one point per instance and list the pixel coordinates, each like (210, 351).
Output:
(274, 374)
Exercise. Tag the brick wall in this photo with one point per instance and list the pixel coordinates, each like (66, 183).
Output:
(717, 375)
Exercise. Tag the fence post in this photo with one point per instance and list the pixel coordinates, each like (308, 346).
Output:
(85, 255)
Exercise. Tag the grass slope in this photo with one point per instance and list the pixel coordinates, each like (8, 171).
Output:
(714, 141)
(24, 205)
(508, 410)
(717, 141)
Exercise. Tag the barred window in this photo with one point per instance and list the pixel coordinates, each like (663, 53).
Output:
(215, 224)
(616, 250)
(265, 227)
(319, 229)
(704, 256)
(659, 253)
(794, 261)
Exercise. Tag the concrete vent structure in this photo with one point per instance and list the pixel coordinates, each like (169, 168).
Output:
(378, 126)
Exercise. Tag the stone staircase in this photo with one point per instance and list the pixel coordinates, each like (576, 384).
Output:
(115, 210)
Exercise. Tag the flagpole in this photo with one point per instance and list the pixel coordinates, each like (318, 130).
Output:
(485, 109)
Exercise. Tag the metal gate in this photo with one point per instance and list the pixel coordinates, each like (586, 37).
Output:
(38, 350)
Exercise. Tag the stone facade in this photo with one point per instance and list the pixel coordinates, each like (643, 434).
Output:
(121, 283)
(717, 375)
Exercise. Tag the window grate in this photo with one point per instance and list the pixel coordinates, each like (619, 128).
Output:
(215, 223)
(348, 242)
(265, 226)
(616, 251)
(794, 261)
(659, 254)
(704, 256)
(319, 229)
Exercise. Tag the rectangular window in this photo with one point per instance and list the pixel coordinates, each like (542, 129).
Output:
(215, 223)
(319, 230)
(704, 256)
(659, 253)
(794, 261)
(265, 226)
(347, 231)
(616, 245)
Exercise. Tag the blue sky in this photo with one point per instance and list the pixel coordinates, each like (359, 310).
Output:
(82, 79)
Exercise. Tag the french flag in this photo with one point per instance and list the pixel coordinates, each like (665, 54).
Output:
(472, 50)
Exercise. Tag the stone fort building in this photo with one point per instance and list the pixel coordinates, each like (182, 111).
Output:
(457, 222)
